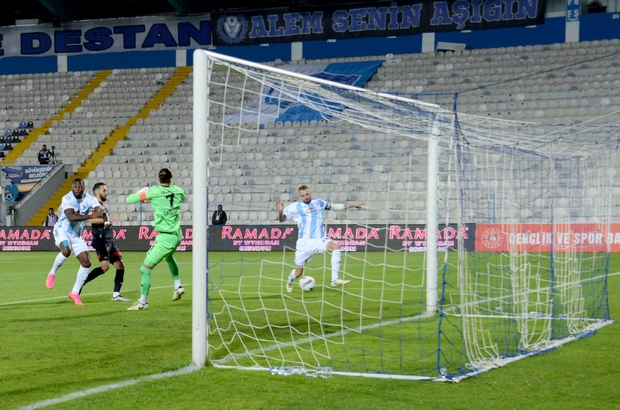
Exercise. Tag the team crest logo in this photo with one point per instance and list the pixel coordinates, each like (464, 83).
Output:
(492, 238)
(232, 29)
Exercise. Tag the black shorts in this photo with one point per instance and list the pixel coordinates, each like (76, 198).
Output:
(107, 250)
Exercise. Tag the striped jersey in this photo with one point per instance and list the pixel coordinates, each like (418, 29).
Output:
(81, 207)
(309, 218)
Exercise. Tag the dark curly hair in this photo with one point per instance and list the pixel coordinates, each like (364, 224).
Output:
(165, 175)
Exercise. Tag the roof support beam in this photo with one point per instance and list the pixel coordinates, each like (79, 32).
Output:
(54, 6)
(180, 6)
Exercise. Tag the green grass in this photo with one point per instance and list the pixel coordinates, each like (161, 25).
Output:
(49, 348)
(316, 316)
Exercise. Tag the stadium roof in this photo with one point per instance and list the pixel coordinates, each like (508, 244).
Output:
(61, 11)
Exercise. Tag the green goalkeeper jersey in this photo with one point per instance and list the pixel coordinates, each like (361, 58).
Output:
(166, 202)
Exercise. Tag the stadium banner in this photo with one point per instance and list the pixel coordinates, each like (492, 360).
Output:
(278, 107)
(573, 10)
(106, 36)
(578, 237)
(254, 238)
(378, 19)
(22, 179)
(351, 238)
(128, 238)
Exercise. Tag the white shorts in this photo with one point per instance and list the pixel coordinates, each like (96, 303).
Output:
(75, 243)
(308, 247)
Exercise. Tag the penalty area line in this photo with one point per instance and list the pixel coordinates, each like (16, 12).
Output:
(96, 390)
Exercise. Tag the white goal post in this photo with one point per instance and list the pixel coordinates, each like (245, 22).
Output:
(201, 174)
(200, 216)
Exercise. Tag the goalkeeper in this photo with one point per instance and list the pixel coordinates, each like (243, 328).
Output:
(166, 200)
(308, 213)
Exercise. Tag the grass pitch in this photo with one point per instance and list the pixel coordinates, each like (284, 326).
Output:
(50, 348)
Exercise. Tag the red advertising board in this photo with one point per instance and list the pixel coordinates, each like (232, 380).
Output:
(585, 237)
(255, 238)
(581, 237)
(128, 238)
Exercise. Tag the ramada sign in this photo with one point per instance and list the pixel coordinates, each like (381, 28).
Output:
(585, 237)
(350, 238)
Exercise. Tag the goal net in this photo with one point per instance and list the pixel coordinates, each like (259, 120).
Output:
(480, 241)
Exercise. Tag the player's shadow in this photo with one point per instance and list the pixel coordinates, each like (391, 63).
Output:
(65, 316)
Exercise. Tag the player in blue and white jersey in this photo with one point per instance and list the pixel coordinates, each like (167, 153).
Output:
(76, 208)
(308, 213)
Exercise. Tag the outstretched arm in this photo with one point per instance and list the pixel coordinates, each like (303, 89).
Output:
(341, 207)
(73, 217)
(280, 209)
(140, 196)
(98, 221)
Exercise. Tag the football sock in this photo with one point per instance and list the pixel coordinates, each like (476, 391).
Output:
(118, 280)
(92, 275)
(144, 299)
(335, 263)
(81, 278)
(177, 283)
(174, 268)
(145, 282)
(292, 276)
(60, 259)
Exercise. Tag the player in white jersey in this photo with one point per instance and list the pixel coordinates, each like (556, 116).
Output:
(308, 213)
(76, 208)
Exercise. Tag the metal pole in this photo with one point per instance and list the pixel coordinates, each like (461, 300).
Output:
(199, 254)
(431, 219)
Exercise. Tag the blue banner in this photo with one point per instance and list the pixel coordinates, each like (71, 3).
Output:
(21, 179)
(572, 10)
(274, 105)
(379, 19)
(106, 36)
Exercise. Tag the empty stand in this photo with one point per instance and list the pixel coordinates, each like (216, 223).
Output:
(561, 84)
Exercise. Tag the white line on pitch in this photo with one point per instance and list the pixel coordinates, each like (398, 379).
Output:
(77, 395)
(84, 294)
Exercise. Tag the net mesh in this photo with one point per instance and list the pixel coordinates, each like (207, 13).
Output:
(523, 209)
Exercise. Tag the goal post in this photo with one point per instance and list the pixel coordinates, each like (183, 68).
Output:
(481, 241)
(431, 220)
(200, 218)
(202, 65)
